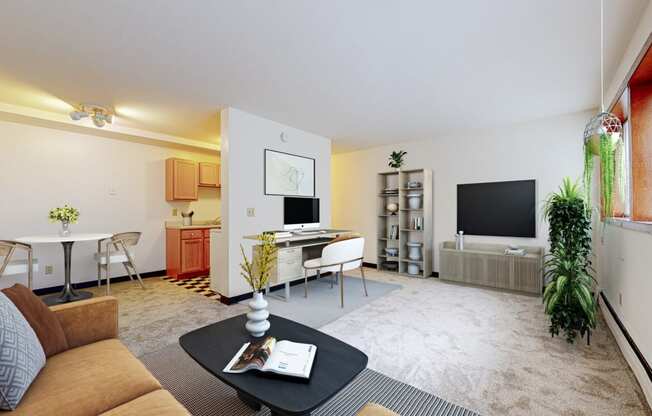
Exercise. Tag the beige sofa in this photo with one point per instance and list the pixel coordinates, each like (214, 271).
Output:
(97, 375)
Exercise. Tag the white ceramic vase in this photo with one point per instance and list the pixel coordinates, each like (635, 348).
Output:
(414, 200)
(257, 323)
(414, 250)
(413, 268)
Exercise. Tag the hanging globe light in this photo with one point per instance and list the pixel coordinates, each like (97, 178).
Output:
(606, 124)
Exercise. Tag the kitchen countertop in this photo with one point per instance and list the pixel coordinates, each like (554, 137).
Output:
(177, 225)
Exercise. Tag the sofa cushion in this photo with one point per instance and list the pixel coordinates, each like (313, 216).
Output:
(40, 317)
(21, 355)
(87, 380)
(156, 403)
(373, 409)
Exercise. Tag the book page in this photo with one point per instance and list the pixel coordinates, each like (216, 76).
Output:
(291, 358)
(252, 355)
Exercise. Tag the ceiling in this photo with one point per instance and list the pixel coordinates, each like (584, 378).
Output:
(361, 72)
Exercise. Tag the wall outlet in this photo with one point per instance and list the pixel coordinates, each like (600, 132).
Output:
(49, 269)
(175, 212)
(620, 299)
(251, 212)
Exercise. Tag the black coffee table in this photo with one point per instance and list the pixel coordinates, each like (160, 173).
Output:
(335, 365)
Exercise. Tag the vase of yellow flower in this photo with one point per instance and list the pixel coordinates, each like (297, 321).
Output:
(66, 215)
(256, 273)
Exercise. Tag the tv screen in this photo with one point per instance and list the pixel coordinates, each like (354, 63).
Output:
(300, 212)
(505, 209)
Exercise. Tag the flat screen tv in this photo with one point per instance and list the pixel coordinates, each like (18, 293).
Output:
(504, 209)
(300, 213)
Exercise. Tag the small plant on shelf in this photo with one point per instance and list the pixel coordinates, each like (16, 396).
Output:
(397, 158)
(256, 272)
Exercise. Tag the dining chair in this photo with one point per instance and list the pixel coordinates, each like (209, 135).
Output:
(119, 248)
(338, 257)
(13, 267)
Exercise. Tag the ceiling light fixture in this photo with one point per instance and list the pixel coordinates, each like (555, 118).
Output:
(99, 115)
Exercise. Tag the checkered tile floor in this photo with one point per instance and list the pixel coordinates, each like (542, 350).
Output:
(199, 285)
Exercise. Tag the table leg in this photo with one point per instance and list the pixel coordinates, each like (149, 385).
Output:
(68, 293)
(249, 401)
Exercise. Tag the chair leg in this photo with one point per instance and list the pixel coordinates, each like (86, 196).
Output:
(99, 263)
(364, 282)
(341, 289)
(305, 283)
(333, 277)
(140, 281)
(133, 266)
(30, 268)
(125, 265)
(108, 269)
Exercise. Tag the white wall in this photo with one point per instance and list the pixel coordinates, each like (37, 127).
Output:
(546, 150)
(244, 137)
(41, 168)
(624, 259)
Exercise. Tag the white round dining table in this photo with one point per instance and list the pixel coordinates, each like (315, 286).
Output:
(68, 294)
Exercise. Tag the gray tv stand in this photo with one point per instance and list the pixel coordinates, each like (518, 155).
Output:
(488, 265)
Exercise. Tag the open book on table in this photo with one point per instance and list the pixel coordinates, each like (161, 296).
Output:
(281, 357)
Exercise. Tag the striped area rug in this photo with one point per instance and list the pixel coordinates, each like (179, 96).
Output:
(204, 395)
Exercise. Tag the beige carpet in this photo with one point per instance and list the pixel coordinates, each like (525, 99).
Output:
(485, 350)
(489, 351)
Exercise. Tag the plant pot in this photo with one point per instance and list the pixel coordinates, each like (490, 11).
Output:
(593, 142)
(414, 200)
(65, 229)
(257, 323)
(414, 250)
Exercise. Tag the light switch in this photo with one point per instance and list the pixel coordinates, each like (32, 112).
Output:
(251, 212)
(175, 212)
(49, 269)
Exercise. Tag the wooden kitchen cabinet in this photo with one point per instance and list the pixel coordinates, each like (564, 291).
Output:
(209, 174)
(181, 180)
(192, 255)
(188, 252)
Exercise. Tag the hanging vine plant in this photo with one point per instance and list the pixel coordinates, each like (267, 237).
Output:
(602, 138)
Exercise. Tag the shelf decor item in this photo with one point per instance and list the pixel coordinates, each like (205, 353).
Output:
(66, 215)
(413, 268)
(256, 273)
(414, 200)
(569, 295)
(392, 208)
(414, 250)
(396, 159)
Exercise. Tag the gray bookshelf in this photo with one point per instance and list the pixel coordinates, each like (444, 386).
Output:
(404, 221)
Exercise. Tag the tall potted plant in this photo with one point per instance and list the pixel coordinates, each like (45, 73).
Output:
(568, 297)
(256, 273)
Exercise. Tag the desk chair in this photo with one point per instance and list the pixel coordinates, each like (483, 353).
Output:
(12, 267)
(338, 257)
(119, 249)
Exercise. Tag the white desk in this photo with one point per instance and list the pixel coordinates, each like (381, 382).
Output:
(68, 294)
(292, 252)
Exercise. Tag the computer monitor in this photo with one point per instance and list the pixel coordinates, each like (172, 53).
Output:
(300, 213)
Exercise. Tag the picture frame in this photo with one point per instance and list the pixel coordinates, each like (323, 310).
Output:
(287, 174)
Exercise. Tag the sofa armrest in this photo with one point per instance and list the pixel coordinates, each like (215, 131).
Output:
(88, 321)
